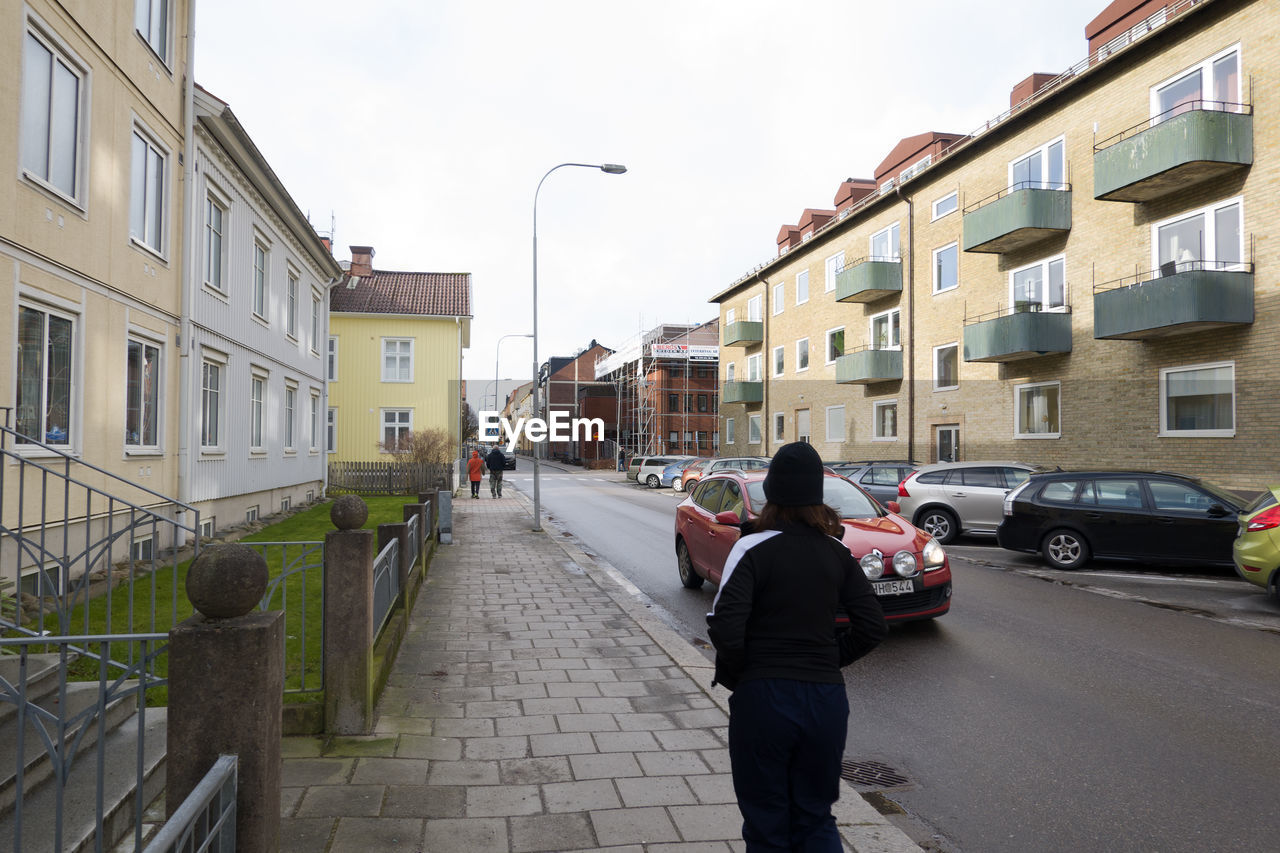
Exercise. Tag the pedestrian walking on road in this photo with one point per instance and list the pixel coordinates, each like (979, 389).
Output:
(497, 461)
(773, 624)
(475, 472)
(622, 459)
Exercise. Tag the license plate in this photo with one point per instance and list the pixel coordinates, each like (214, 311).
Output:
(893, 587)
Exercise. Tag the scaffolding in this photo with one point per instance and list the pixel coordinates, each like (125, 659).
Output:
(667, 387)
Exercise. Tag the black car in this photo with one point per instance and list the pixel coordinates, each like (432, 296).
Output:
(1070, 516)
(508, 458)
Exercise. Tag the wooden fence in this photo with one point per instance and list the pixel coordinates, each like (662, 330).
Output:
(385, 478)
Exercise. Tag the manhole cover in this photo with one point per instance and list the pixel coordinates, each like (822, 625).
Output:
(871, 775)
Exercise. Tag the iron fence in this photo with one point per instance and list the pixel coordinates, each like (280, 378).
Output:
(386, 583)
(297, 588)
(206, 820)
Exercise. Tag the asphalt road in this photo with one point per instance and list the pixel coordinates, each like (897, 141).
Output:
(1048, 711)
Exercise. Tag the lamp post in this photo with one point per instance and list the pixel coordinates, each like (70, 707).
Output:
(612, 169)
(497, 350)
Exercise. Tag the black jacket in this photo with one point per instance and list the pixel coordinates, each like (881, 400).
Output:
(775, 613)
(496, 460)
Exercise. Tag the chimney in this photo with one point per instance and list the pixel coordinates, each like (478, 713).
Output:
(1029, 87)
(328, 244)
(361, 260)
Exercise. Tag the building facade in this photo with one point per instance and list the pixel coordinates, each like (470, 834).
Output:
(1087, 280)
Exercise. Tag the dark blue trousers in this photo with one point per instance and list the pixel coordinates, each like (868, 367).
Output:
(786, 741)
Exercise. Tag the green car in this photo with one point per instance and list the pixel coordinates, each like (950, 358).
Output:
(1256, 551)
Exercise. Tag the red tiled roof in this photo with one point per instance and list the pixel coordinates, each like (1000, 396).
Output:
(446, 294)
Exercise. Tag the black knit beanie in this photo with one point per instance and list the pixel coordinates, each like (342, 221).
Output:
(795, 476)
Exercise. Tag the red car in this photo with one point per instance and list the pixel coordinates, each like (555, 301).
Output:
(907, 567)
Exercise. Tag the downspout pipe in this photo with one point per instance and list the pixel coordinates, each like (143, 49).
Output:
(324, 398)
(766, 420)
(911, 323)
(185, 380)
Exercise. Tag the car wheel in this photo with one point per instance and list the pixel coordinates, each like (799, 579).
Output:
(1065, 549)
(653, 481)
(688, 576)
(677, 484)
(941, 524)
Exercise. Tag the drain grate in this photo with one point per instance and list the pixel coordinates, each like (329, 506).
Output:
(871, 775)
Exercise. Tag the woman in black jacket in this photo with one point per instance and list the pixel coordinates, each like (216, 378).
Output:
(773, 624)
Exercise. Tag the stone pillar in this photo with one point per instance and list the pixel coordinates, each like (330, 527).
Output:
(446, 518)
(226, 691)
(398, 530)
(348, 620)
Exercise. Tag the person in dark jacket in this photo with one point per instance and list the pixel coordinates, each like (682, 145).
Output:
(497, 461)
(773, 624)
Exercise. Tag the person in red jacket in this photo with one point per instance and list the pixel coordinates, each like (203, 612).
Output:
(475, 472)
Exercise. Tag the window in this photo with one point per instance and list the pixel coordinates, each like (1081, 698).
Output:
(53, 120)
(885, 416)
(1179, 497)
(753, 309)
(211, 383)
(333, 358)
(835, 344)
(1209, 238)
(286, 504)
(885, 330)
(834, 264)
(1113, 494)
(142, 549)
(946, 367)
(802, 354)
(728, 430)
(803, 432)
(754, 372)
(702, 402)
(729, 371)
(915, 167)
(673, 402)
(946, 204)
(673, 440)
(260, 282)
(315, 323)
(215, 215)
(396, 424)
(147, 192)
(1036, 410)
(778, 360)
(331, 430)
(44, 359)
(251, 515)
(729, 315)
(1042, 169)
(779, 426)
(290, 403)
(1213, 84)
(802, 287)
(397, 359)
(946, 270)
(151, 19)
(1198, 401)
(688, 440)
(779, 296)
(142, 394)
(885, 245)
(1039, 287)
(835, 423)
(315, 422)
(291, 306)
(257, 410)
(753, 429)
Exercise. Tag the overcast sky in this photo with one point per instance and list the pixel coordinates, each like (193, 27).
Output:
(422, 128)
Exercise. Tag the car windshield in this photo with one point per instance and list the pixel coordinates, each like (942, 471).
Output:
(845, 498)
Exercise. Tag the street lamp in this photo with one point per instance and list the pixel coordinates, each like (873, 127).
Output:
(612, 169)
(496, 351)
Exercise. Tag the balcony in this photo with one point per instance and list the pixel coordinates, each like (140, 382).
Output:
(864, 366)
(1012, 335)
(1177, 300)
(1199, 141)
(743, 333)
(742, 392)
(1018, 217)
(869, 279)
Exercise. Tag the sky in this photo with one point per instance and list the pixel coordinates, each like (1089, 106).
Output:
(423, 127)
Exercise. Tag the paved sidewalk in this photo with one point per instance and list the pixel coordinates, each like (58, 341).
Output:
(535, 705)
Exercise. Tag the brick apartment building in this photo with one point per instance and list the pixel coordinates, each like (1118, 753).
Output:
(561, 380)
(1089, 279)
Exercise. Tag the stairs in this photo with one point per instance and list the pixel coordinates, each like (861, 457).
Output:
(109, 737)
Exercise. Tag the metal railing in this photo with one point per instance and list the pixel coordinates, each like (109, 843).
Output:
(883, 259)
(1027, 307)
(415, 540)
(1170, 268)
(206, 820)
(1060, 186)
(297, 588)
(1180, 109)
(386, 583)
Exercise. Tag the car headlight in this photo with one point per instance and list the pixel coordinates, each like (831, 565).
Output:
(933, 555)
(872, 565)
(904, 564)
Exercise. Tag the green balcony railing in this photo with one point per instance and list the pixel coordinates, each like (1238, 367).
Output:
(1193, 143)
(1017, 217)
(1018, 333)
(741, 391)
(868, 279)
(864, 366)
(743, 333)
(1179, 299)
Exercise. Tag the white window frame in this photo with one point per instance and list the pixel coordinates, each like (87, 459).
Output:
(779, 355)
(755, 367)
(75, 417)
(290, 420)
(832, 435)
(1019, 428)
(314, 446)
(889, 316)
(937, 351)
(261, 274)
(779, 426)
(755, 307)
(753, 429)
(779, 297)
(152, 21)
(953, 197)
(1045, 265)
(154, 224)
(258, 391)
(316, 322)
(331, 430)
(729, 371)
(802, 287)
(216, 279)
(803, 415)
(802, 345)
(1205, 67)
(218, 413)
(826, 348)
(876, 408)
(934, 267)
(834, 264)
(1210, 252)
(157, 379)
(293, 283)
(400, 357)
(729, 316)
(1043, 183)
(893, 231)
(383, 424)
(728, 430)
(1165, 432)
(60, 55)
(331, 365)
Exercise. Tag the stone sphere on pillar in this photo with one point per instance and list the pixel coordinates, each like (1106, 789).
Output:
(227, 581)
(349, 512)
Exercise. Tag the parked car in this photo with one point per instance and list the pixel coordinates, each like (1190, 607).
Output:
(633, 469)
(651, 470)
(908, 569)
(1070, 516)
(724, 463)
(674, 472)
(1256, 550)
(878, 478)
(689, 474)
(508, 458)
(950, 498)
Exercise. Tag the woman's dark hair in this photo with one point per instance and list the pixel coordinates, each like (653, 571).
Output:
(821, 516)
